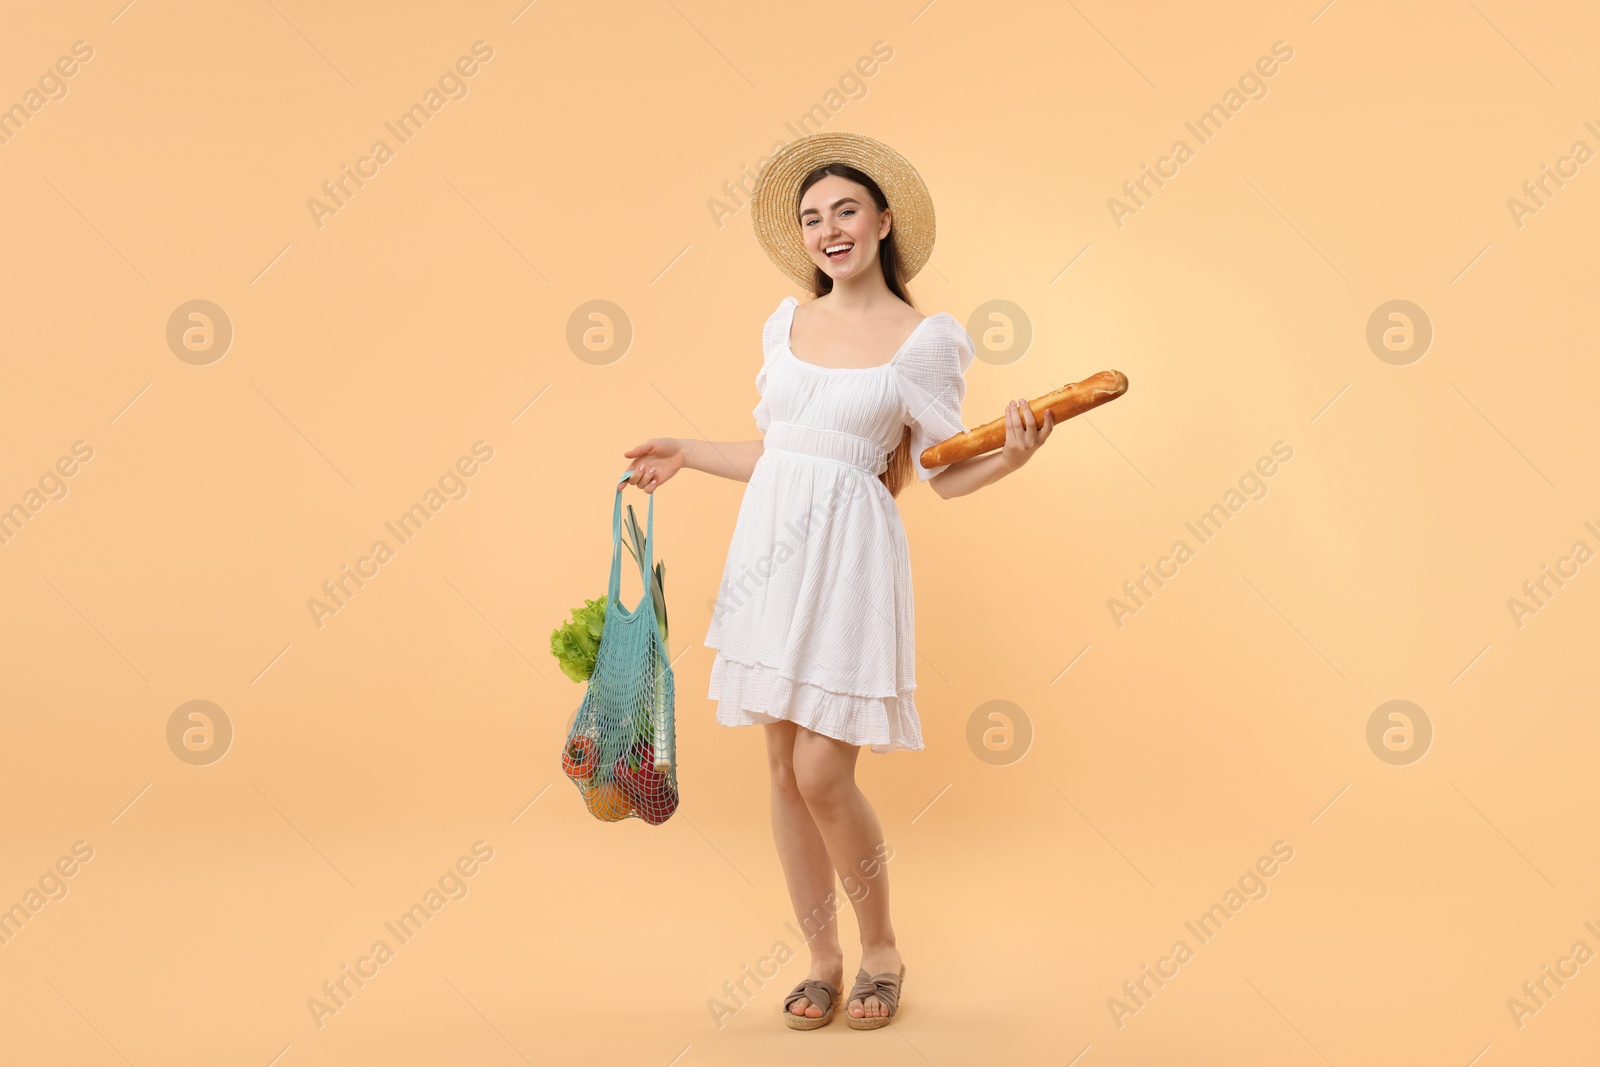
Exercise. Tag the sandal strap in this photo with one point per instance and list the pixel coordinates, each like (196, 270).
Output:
(815, 990)
(885, 986)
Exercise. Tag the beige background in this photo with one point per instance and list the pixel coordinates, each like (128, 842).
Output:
(431, 311)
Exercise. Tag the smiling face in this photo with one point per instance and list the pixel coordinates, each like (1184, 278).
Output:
(838, 214)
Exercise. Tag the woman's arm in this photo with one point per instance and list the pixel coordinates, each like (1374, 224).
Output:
(1023, 435)
(655, 461)
(725, 459)
(970, 475)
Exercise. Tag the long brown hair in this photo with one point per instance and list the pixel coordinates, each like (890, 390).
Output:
(899, 473)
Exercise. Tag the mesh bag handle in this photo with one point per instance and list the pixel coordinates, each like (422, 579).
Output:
(621, 752)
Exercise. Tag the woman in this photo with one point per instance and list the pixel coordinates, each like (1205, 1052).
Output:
(814, 625)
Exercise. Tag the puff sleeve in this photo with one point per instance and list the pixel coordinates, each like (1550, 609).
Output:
(774, 333)
(932, 385)
(762, 410)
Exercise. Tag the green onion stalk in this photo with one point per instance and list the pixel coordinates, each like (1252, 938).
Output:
(656, 730)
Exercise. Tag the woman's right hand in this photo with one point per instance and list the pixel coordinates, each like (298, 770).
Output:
(654, 462)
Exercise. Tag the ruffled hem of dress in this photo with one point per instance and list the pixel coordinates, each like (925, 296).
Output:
(744, 690)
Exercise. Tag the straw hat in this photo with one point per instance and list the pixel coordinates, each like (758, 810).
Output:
(775, 202)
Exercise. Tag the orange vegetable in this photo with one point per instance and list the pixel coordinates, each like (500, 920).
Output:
(608, 802)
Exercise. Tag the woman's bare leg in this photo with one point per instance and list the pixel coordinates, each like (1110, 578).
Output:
(825, 774)
(807, 868)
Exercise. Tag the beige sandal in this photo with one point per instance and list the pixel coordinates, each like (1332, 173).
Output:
(885, 986)
(818, 992)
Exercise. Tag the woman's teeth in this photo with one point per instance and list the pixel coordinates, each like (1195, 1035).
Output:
(840, 254)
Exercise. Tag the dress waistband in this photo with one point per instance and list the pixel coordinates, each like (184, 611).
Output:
(860, 452)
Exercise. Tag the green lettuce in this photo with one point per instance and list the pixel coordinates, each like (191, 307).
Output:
(575, 643)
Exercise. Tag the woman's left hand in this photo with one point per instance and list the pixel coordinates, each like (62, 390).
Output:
(1024, 433)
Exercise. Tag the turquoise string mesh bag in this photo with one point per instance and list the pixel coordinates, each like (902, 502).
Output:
(621, 752)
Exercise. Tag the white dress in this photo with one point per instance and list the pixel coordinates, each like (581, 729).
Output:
(813, 622)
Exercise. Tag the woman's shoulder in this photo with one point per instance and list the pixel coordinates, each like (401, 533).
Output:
(936, 341)
(775, 331)
(940, 344)
(943, 323)
(781, 312)
(914, 320)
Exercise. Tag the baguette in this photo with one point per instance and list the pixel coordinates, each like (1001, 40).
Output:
(1065, 402)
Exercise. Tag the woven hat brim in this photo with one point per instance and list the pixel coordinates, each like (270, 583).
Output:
(774, 206)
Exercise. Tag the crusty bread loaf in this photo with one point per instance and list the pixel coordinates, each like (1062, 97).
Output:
(1065, 402)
